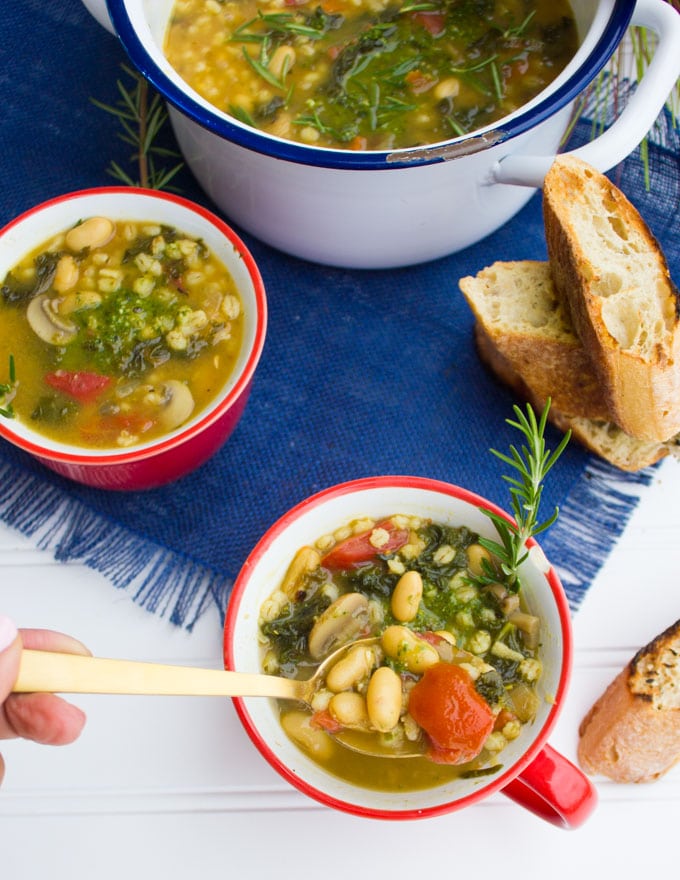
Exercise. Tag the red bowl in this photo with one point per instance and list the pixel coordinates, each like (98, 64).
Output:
(176, 454)
(533, 774)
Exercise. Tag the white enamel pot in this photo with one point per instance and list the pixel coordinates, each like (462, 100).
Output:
(383, 209)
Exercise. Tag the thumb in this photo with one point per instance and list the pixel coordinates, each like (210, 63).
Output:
(10, 654)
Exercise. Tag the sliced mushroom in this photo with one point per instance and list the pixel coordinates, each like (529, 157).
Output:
(178, 406)
(340, 623)
(530, 625)
(47, 323)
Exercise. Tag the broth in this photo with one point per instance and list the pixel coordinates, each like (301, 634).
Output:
(118, 333)
(369, 74)
(449, 632)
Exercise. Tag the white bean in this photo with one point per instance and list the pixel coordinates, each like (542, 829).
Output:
(305, 560)
(355, 665)
(477, 559)
(406, 596)
(349, 709)
(313, 740)
(383, 699)
(92, 233)
(404, 646)
(282, 60)
(66, 274)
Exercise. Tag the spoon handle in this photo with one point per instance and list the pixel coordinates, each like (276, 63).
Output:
(48, 672)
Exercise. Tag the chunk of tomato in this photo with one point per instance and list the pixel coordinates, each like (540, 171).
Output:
(105, 429)
(323, 720)
(82, 386)
(456, 719)
(433, 22)
(366, 546)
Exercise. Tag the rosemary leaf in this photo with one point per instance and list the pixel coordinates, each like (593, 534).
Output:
(142, 117)
(531, 463)
(263, 71)
(519, 30)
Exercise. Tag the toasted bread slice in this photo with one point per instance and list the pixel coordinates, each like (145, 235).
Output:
(519, 309)
(599, 436)
(608, 267)
(632, 732)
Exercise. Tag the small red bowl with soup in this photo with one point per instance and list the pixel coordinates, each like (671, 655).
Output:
(444, 660)
(133, 324)
(378, 133)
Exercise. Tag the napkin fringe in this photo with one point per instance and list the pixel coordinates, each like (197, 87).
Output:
(591, 521)
(159, 580)
(170, 585)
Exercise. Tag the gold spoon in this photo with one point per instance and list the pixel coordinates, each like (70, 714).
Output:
(50, 672)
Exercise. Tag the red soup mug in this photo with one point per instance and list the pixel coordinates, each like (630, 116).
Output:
(532, 774)
(144, 465)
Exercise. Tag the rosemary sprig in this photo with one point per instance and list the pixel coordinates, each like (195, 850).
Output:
(519, 29)
(532, 464)
(313, 26)
(8, 391)
(142, 115)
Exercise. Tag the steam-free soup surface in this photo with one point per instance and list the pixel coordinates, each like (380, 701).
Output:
(455, 668)
(119, 332)
(369, 74)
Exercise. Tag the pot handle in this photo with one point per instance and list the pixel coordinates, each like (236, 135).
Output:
(98, 9)
(637, 118)
(554, 789)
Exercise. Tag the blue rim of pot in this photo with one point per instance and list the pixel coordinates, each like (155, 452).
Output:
(261, 142)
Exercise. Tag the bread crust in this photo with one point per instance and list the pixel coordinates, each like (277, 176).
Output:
(609, 267)
(632, 732)
(548, 356)
(601, 437)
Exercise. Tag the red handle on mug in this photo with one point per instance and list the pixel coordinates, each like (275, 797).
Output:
(554, 789)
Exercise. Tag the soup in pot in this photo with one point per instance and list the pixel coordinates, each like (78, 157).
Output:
(453, 671)
(369, 74)
(116, 333)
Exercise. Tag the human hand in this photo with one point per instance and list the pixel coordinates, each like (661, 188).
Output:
(43, 718)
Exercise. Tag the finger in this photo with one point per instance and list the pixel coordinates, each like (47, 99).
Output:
(10, 652)
(49, 640)
(43, 718)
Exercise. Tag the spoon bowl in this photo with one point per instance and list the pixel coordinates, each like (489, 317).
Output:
(51, 672)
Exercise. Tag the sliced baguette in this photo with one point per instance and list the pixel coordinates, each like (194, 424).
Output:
(608, 267)
(526, 321)
(632, 732)
(599, 436)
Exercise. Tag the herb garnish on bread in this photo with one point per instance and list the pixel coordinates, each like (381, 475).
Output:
(609, 268)
(632, 733)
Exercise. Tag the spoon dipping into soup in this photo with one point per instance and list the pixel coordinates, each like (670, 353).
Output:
(450, 669)
(401, 692)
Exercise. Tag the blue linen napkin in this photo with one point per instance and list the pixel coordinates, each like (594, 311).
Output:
(363, 372)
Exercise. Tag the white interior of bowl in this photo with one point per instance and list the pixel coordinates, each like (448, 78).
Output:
(39, 226)
(149, 19)
(265, 571)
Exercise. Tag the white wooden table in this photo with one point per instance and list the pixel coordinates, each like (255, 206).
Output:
(171, 788)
